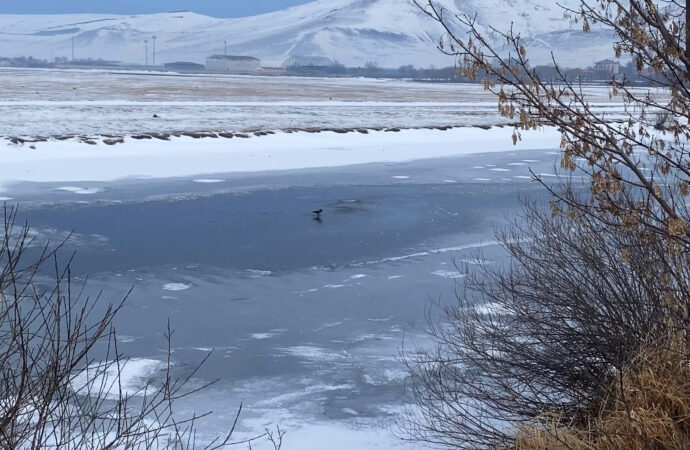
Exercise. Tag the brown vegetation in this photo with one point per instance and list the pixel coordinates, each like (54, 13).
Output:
(581, 342)
(649, 409)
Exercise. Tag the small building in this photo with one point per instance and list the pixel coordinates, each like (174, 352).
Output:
(273, 70)
(232, 64)
(184, 65)
(607, 66)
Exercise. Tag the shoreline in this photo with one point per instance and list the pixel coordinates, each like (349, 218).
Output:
(183, 156)
(114, 139)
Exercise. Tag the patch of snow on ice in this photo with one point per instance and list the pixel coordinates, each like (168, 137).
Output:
(90, 191)
(448, 274)
(133, 378)
(209, 180)
(395, 277)
(358, 276)
(518, 164)
(262, 336)
(498, 169)
(176, 286)
(313, 353)
(490, 308)
(481, 179)
(259, 273)
(80, 190)
(401, 177)
(334, 286)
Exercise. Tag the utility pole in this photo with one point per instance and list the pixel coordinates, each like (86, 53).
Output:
(687, 30)
(154, 50)
(146, 51)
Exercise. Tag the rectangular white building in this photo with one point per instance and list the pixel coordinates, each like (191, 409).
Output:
(232, 64)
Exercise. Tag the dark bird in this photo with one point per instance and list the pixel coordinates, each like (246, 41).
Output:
(318, 212)
(155, 116)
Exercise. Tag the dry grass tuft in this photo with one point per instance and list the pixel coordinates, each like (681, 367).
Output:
(650, 409)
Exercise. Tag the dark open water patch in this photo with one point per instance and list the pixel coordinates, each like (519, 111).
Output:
(275, 230)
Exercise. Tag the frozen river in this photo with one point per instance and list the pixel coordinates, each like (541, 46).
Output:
(306, 318)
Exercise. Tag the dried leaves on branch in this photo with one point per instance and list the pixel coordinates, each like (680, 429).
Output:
(599, 285)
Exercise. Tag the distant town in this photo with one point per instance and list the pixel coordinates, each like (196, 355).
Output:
(601, 71)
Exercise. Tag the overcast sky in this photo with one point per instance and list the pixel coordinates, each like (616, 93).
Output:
(217, 8)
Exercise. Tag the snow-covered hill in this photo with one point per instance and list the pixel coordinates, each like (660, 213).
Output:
(353, 32)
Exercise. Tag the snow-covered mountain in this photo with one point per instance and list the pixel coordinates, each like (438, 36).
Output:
(353, 32)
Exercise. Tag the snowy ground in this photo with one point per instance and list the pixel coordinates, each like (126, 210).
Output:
(45, 103)
(195, 157)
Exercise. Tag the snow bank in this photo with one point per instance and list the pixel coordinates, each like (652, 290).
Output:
(70, 161)
(106, 379)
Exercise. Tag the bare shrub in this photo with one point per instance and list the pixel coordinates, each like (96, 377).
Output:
(61, 372)
(549, 333)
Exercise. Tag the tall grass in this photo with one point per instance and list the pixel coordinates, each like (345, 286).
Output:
(648, 408)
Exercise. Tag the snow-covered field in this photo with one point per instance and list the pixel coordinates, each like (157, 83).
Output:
(94, 103)
(185, 156)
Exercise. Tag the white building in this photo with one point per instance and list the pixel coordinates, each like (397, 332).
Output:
(608, 66)
(232, 64)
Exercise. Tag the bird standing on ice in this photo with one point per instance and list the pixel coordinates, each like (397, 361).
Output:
(318, 212)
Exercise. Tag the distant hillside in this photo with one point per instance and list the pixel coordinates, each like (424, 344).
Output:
(389, 32)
